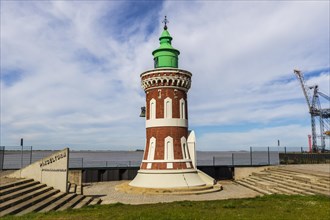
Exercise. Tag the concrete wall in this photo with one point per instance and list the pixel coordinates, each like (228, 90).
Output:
(75, 176)
(51, 170)
(128, 173)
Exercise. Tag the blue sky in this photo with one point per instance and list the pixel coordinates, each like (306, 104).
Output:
(70, 70)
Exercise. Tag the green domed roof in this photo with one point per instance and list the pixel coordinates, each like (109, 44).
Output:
(165, 55)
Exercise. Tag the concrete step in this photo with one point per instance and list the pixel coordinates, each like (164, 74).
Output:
(195, 192)
(248, 184)
(23, 198)
(325, 175)
(294, 186)
(303, 179)
(42, 204)
(17, 187)
(16, 183)
(293, 181)
(285, 191)
(95, 201)
(83, 202)
(300, 177)
(325, 183)
(281, 186)
(263, 184)
(71, 203)
(58, 203)
(34, 200)
(21, 192)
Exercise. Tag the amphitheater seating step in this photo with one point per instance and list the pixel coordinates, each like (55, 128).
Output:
(21, 206)
(22, 196)
(83, 202)
(43, 204)
(283, 181)
(57, 204)
(71, 203)
(15, 183)
(17, 187)
(95, 201)
(18, 198)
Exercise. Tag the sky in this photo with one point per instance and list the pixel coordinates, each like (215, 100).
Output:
(70, 70)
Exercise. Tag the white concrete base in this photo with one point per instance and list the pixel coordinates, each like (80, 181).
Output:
(166, 179)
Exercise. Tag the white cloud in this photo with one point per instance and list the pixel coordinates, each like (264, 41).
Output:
(80, 69)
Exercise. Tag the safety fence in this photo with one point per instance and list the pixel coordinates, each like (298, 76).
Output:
(16, 157)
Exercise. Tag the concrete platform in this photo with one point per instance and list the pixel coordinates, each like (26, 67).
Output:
(107, 192)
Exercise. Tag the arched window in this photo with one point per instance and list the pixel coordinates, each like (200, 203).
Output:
(152, 109)
(151, 152)
(168, 108)
(169, 153)
(185, 153)
(182, 108)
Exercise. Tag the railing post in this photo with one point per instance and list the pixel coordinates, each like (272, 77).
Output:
(232, 159)
(31, 155)
(285, 151)
(21, 156)
(251, 156)
(3, 158)
(302, 151)
(213, 160)
(268, 157)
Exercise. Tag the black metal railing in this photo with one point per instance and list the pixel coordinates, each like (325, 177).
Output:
(16, 157)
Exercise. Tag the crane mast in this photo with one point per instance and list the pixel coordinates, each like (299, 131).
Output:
(316, 112)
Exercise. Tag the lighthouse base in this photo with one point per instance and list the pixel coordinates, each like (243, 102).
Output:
(168, 179)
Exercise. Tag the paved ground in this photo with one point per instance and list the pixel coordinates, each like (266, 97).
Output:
(109, 195)
(4, 180)
(107, 192)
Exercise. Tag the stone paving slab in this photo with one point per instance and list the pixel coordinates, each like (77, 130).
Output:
(107, 192)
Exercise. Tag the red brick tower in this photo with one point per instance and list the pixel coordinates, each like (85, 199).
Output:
(169, 150)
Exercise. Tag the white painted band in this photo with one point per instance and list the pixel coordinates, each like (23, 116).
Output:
(166, 122)
(168, 171)
(166, 70)
(166, 161)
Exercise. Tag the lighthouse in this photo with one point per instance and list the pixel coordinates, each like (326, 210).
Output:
(169, 159)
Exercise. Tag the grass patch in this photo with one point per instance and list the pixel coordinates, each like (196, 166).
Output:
(266, 207)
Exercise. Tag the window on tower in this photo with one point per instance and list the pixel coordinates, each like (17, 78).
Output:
(152, 109)
(169, 152)
(151, 152)
(182, 108)
(168, 108)
(185, 153)
(155, 62)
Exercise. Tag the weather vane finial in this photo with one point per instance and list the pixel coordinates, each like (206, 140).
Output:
(165, 21)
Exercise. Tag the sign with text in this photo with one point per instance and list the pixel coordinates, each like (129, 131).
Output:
(51, 170)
